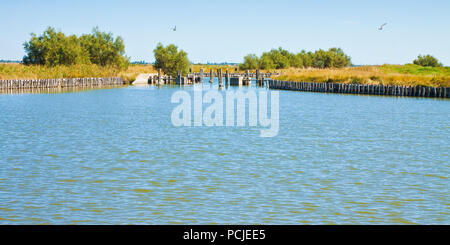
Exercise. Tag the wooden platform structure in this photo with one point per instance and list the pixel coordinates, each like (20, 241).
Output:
(227, 78)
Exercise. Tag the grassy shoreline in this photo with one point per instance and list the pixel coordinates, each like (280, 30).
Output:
(409, 75)
(10, 71)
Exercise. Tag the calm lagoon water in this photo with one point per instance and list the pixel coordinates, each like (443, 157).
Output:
(112, 156)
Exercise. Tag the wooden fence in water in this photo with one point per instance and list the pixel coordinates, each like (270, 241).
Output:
(59, 83)
(393, 90)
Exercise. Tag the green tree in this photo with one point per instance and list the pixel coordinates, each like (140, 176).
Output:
(321, 59)
(427, 60)
(306, 58)
(170, 60)
(333, 58)
(251, 61)
(55, 48)
(297, 61)
(104, 50)
(266, 63)
(338, 58)
(279, 57)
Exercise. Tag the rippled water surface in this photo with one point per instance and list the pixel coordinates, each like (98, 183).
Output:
(112, 156)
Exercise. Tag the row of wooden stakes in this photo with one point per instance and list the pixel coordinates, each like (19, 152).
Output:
(59, 83)
(394, 90)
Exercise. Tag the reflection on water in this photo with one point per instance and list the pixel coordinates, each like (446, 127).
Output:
(113, 157)
(55, 90)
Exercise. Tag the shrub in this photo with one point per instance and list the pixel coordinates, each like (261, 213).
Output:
(251, 61)
(104, 50)
(170, 60)
(427, 60)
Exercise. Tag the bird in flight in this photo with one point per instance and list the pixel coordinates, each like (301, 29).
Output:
(174, 29)
(381, 27)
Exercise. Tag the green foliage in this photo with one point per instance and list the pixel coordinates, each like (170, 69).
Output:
(338, 58)
(321, 59)
(305, 58)
(170, 60)
(251, 61)
(54, 48)
(296, 60)
(265, 63)
(281, 59)
(427, 60)
(104, 50)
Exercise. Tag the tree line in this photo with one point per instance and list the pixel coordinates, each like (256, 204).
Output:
(56, 48)
(281, 58)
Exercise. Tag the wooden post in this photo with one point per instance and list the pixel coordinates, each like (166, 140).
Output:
(178, 81)
(211, 76)
(159, 76)
(227, 77)
(219, 76)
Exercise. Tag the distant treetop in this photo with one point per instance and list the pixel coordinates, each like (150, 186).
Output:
(280, 59)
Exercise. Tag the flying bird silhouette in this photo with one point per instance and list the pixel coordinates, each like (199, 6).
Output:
(174, 29)
(381, 27)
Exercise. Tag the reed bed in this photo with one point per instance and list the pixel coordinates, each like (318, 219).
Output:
(409, 75)
(20, 71)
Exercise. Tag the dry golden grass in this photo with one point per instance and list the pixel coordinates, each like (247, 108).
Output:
(206, 68)
(410, 75)
(20, 71)
(134, 70)
(365, 75)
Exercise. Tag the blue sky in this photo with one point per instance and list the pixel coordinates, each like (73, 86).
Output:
(225, 31)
